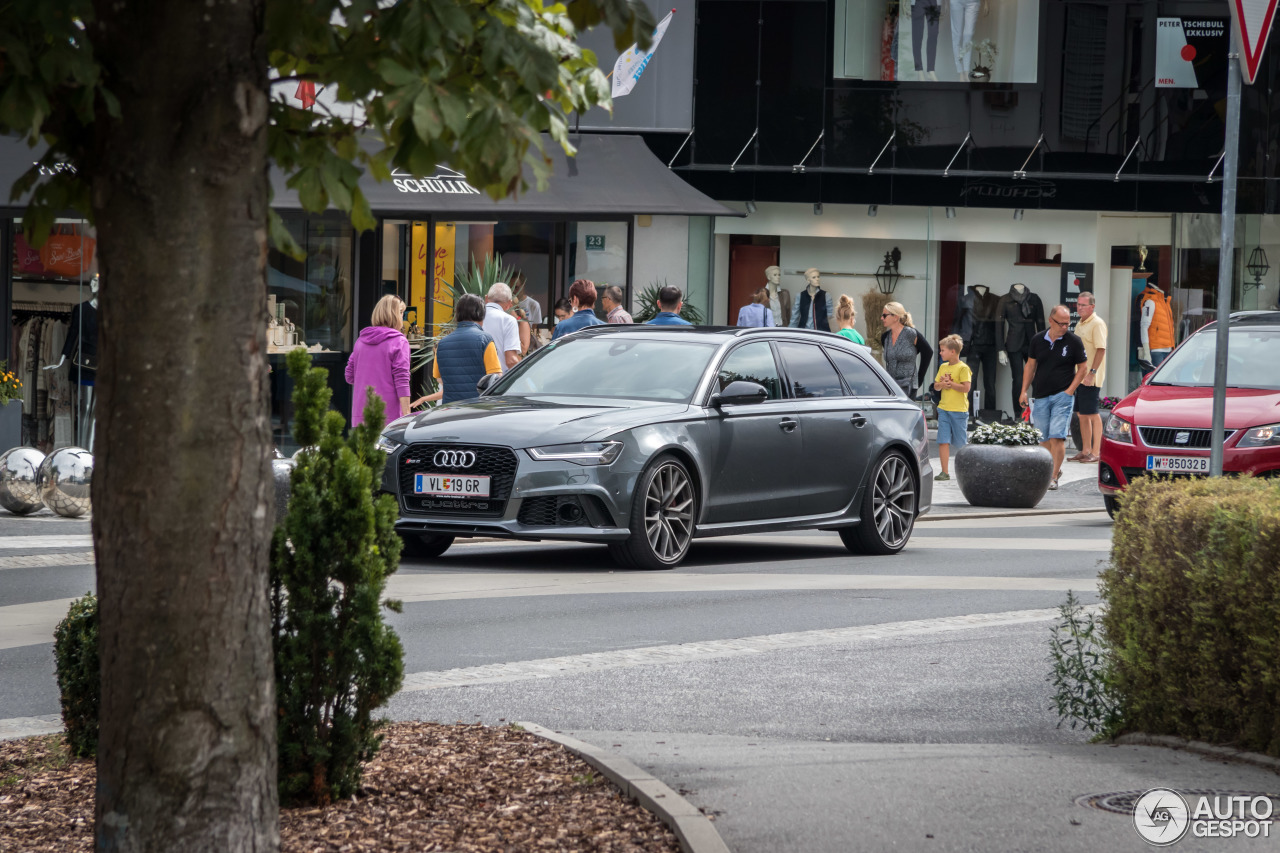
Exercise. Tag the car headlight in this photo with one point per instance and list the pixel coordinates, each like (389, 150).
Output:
(1263, 436)
(590, 453)
(388, 445)
(1118, 429)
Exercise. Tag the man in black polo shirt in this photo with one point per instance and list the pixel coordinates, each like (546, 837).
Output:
(1056, 366)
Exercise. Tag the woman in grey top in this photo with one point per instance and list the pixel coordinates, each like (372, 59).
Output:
(902, 345)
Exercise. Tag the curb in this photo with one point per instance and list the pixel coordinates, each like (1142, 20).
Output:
(1226, 753)
(958, 516)
(696, 833)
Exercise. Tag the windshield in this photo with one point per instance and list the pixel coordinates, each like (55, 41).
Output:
(609, 366)
(1251, 360)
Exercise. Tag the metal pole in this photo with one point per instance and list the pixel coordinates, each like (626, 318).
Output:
(1225, 263)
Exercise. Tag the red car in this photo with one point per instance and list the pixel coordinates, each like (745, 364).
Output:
(1165, 426)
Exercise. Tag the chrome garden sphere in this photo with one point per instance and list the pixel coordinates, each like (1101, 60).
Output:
(19, 474)
(64, 481)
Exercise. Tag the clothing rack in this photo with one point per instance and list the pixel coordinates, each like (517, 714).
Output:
(27, 310)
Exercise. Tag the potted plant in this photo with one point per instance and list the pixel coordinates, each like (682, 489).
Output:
(10, 409)
(984, 60)
(647, 306)
(1004, 466)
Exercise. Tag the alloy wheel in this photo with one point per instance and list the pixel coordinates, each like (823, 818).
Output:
(894, 501)
(668, 512)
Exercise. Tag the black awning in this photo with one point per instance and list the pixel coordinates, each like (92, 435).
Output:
(612, 175)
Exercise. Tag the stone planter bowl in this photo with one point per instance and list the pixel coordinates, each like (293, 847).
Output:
(1001, 476)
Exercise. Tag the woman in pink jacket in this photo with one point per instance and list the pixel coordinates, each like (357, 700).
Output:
(380, 360)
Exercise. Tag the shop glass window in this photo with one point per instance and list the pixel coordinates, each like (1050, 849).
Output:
(527, 249)
(809, 372)
(751, 363)
(598, 251)
(861, 378)
(310, 299)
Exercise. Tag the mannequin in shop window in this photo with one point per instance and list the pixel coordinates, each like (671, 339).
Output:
(925, 15)
(964, 17)
(976, 325)
(779, 296)
(81, 348)
(813, 308)
(1155, 323)
(1019, 315)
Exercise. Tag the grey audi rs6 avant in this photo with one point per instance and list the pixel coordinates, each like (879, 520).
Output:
(643, 438)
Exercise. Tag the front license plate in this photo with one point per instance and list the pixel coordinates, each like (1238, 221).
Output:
(451, 485)
(1178, 464)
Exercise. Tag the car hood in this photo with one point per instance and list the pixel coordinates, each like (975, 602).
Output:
(1179, 406)
(531, 421)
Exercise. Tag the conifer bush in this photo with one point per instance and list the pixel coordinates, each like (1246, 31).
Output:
(336, 660)
(75, 652)
(1193, 610)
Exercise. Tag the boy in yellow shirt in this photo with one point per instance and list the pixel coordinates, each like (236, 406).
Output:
(954, 380)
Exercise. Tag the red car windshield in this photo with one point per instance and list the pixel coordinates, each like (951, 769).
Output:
(1253, 360)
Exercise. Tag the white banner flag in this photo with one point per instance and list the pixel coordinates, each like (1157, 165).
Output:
(632, 63)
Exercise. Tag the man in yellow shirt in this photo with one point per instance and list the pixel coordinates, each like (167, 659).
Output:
(954, 380)
(1093, 333)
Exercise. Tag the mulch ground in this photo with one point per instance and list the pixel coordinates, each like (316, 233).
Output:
(432, 787)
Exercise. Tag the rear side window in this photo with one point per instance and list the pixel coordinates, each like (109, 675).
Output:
(809, 372)
(861, 378)
(751, 363)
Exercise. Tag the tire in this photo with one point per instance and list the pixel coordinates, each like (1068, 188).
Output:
(663, 512)
(1113, 505)
(889, 507)
(424, 547)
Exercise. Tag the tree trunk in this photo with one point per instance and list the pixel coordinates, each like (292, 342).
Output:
(182, 509)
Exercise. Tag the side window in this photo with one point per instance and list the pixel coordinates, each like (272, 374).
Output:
(809, 371)
(861, 378)
(751, 363)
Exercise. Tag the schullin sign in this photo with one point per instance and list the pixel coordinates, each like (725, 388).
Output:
(1189, 51)
(444, 181)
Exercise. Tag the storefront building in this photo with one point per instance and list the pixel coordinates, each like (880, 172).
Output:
(614, 214)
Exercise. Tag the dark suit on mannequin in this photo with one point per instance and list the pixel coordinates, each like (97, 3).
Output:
(1019, 315)
(976, 325)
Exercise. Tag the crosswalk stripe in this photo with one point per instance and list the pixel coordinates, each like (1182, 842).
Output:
(14, 543)
(32, 561)
(679, 653)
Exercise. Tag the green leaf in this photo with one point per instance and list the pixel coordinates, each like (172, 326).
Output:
(426, 119)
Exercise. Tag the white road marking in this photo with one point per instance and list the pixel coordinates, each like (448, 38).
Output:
(13, 543)
(678, 653)
(31, 624)
(31, 561)
(16, 727)
(430, 586)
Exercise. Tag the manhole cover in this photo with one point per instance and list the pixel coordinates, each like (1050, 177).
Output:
(1121, 802)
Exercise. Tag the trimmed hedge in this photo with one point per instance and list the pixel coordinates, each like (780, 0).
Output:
(1193, 610)
(75, 652)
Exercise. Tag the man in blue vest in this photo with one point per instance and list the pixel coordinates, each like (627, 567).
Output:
(582, 296)
(466, 354)
(670, 301)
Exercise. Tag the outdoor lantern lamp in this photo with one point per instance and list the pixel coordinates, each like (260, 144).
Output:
(887, 274)
(1257, 267)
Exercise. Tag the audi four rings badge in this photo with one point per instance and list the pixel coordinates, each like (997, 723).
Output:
(454, 458)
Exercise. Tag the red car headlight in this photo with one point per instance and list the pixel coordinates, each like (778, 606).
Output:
(1263, 436)
(1118, 429)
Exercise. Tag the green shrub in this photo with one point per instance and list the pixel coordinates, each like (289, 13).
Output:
(336, 660)
(75, 652)
(1193, 610)
(1081, 676)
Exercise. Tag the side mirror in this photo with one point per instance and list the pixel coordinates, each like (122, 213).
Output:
(740, 392)
(486, 382)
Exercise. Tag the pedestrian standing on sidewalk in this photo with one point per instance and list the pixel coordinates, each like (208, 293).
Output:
(380, 360)
(466, 354)
(757, 314)
(1093, 333)
(907, 354)
(582, 296)
(501, 326)
(846, 313)
(670, 304)
(611, 301)
(1056, 365)
(954, 380)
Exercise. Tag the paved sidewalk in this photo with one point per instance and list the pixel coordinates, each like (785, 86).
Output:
(1077, 489)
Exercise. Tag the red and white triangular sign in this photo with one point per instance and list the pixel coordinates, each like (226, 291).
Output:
(1252, 19)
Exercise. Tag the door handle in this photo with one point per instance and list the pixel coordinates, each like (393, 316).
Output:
(857, 420)
(788, 424)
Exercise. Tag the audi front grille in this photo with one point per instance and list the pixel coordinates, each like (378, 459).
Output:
(497, 463)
